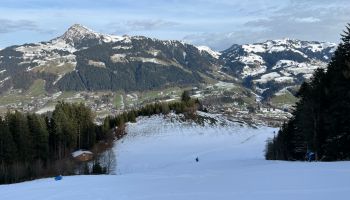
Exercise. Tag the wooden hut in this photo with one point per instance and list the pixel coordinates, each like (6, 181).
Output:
(82, 155)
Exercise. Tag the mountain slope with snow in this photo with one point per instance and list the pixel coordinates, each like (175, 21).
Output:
(82, 59)
(208, 50)
(156, 160)
(276, 65)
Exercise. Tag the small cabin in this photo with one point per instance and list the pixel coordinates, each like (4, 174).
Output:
(82, 155)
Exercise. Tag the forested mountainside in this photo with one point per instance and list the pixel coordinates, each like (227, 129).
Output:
(138, 63)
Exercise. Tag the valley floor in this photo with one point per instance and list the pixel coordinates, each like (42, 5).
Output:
(156, 160)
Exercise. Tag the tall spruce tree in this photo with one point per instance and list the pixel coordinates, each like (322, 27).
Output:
(40, 136)
(18, 126)
(8, 149)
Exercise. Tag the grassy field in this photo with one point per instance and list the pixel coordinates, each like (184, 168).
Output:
(118, 100)
(37, 88)
(66, 94)
(158, 94)
(55, 68)
(284, 99)
(14, 97)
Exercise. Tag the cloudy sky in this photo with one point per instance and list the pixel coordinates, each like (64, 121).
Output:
(215, 23)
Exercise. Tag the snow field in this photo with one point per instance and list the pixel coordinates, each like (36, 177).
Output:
(156, 160)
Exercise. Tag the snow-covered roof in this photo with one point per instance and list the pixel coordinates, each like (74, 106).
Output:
(80, 152)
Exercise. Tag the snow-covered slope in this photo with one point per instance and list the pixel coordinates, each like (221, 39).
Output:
(156, 160)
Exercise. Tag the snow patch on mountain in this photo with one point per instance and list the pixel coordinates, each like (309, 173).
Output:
(118, 58)
(97, 63)
(211, 52)
(268, 77)
(253, 71)
(254, 48)
(284, 63)
(284, 79)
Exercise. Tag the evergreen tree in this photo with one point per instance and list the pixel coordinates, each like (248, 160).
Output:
(132, 116)
(97, 168)
(19, 129)
(185, 97)
(65, 130)
(165, 109)
(40, 136)
(8, 147)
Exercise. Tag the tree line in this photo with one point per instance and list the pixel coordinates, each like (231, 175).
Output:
(34, 146)
(186, 106)
(320, 121)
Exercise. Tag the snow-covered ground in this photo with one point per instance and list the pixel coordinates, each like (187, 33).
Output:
(156, 160)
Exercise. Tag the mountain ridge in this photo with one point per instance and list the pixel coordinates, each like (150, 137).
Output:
(58, 58)
(82, 59)
(275, 65)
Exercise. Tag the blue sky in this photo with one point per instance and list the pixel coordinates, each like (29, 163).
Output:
(217, 24)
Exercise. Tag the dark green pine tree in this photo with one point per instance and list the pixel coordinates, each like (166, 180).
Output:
(309, 111)
(8, 149)
(185, 97)
(40, 136)
(97, 168)
(65, 130)
(132, 116)
(18, 126)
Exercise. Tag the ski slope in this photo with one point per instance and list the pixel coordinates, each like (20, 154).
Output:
(156, 161)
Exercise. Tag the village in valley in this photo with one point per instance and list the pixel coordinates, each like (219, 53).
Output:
(230, 99)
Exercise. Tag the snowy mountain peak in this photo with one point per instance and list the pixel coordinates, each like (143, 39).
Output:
(80, 36)
(78, 32)
(79, 28)
(211, 52)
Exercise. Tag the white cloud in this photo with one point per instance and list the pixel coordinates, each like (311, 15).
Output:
(7, 25)
(141, 25)
(307, 19)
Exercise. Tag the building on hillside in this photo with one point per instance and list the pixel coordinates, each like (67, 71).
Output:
(82, 155)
